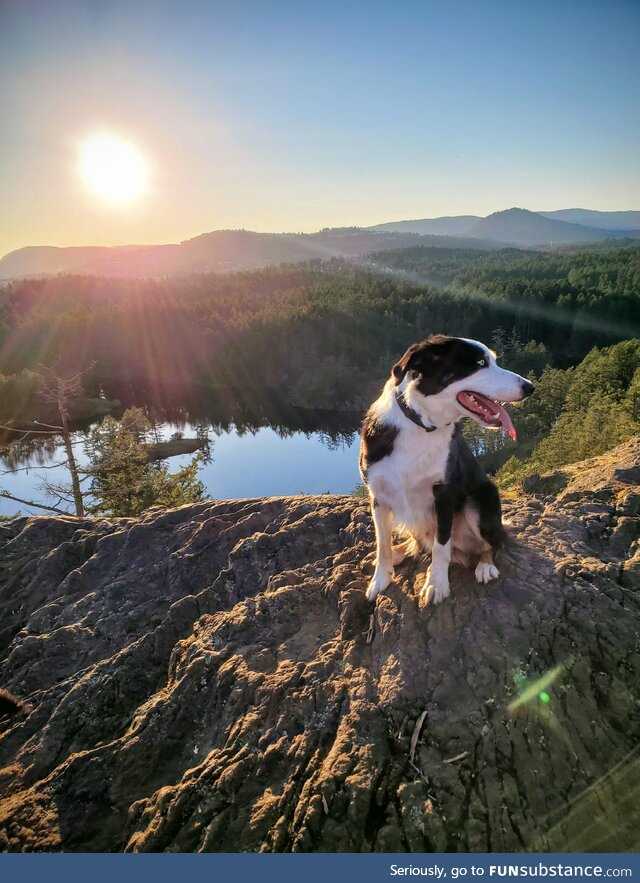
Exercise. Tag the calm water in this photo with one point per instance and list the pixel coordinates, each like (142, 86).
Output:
(258, 448)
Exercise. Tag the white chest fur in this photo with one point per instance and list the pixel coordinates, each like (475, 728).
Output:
(404, 480)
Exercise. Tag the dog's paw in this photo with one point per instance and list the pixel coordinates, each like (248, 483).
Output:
(435, 587)
(485, 573)
(379, 582)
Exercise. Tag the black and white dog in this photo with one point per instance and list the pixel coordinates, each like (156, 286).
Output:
(419, 470)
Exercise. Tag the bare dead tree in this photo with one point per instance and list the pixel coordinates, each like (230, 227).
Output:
(59, 391)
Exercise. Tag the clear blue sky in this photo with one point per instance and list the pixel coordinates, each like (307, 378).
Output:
(281, 115)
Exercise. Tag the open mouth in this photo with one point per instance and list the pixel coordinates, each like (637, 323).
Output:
(486, 411)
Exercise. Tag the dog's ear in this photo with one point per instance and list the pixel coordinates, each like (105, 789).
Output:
(406, 362)
(419, 357)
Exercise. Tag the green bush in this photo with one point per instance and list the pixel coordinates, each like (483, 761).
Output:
(580, 412)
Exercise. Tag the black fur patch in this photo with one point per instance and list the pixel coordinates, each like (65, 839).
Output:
(468, 482)
(463, 470)
(487, 500)
(444, 498)
(377, 443)
(439, 361)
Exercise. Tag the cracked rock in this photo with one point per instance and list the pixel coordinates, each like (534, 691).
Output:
(200, 680)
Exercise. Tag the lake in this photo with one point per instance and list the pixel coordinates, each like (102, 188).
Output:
(259, 446)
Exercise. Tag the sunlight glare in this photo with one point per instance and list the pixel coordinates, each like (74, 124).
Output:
(535, 690)
(112, 168)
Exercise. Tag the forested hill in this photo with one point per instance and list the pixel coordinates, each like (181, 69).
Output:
(319, 332)
(520, 225)
(582, 287)
(221, 251)
(212, 327)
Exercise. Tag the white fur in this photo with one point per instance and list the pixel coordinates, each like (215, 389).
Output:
(383, 574)
(485, 572)
(436, 583)
(403, 482)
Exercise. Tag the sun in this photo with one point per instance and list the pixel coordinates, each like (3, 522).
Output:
(112, 168)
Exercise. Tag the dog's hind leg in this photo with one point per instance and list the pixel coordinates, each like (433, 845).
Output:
(383, 573)
(486, 571)
(402, 550)
(487, 501)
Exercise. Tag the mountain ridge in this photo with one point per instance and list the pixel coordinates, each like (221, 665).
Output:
(618, 221)
(218, 251)
(523, 227)
(221, 251)
(447, 225)
(605, 224)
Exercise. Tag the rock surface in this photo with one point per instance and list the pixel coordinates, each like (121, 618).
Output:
(201, 679)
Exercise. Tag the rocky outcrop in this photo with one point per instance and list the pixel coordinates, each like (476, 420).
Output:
(212, 678)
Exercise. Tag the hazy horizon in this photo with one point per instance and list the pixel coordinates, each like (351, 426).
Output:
(290, 118)
(311, 229)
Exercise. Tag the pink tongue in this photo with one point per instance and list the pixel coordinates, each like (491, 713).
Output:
(505, 420)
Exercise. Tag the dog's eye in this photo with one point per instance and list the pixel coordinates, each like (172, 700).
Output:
(482, 362)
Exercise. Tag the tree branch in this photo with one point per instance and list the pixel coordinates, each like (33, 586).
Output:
(50, 425)
(29, 503)
(28, 468)
(29, 431)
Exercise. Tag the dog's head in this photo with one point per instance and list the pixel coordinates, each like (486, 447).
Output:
(447, 378)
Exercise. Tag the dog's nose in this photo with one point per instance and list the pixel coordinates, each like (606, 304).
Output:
(527, 388)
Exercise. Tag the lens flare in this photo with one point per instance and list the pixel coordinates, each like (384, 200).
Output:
(112, 168)
(535, 690)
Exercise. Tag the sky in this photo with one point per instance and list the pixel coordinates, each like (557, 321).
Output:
(278, 115)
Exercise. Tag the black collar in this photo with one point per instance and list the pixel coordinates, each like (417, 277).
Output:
(411, 414)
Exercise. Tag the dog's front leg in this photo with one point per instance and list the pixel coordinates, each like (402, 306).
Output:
(436, 583)
(383, 574)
